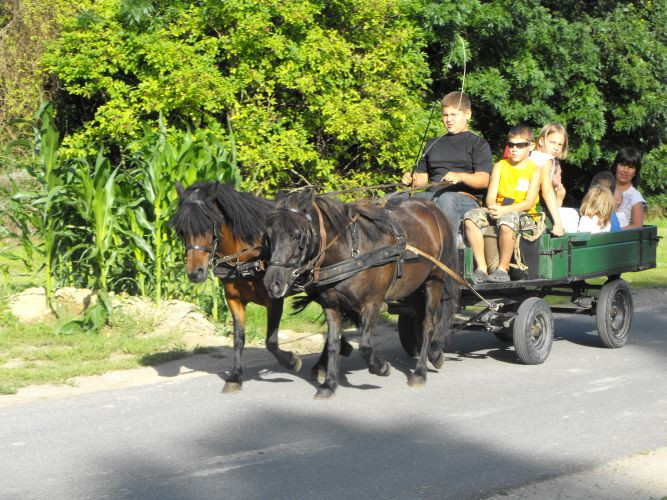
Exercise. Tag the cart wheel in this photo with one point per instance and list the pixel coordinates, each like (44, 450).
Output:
(614, 312)
(505, 335)
(410, 334)
(533, 331)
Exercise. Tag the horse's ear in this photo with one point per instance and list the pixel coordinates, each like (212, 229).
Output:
(306, 199)
(179, 189)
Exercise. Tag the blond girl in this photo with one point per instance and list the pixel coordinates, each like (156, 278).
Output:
(596, 210)
(552, 146)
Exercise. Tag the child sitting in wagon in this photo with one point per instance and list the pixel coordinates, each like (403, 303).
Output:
(597, 211)
(510, 205)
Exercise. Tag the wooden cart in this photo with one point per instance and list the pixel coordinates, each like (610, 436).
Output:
(557, 266)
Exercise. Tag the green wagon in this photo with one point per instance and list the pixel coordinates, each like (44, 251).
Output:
(557, 266)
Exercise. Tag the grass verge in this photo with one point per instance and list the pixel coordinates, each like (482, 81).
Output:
(657, 277)
(309, 320)
(35, 354)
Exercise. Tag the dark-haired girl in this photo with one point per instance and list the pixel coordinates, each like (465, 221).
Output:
(627, 165)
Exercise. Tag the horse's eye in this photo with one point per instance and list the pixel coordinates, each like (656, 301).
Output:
(297, 235)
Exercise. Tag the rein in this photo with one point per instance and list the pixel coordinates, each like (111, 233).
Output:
(452, 273)
(379, 186)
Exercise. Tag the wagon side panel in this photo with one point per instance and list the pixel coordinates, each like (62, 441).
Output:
(613, 253)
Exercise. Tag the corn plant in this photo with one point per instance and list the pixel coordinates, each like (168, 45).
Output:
(38, 215)
(105, 226)
(164, 158)
(94, 198)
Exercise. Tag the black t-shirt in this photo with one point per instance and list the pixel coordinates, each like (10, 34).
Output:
(462, 152)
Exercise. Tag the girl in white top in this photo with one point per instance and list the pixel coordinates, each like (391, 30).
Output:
(595, 211)
(551, 146)
(631, 203)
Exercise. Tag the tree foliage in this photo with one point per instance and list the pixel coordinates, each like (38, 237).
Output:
(597, 67)
(26, 28)
(338, 92)
(328, 92)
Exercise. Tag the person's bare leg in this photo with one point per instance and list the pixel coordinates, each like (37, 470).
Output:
(476, 240)
(506, 241)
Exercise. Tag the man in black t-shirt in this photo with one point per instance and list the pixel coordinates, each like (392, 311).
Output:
(460, 159)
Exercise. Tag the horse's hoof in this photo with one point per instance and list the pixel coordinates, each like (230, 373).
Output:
(324, 393)
(231, 387)
(321, 375)
(297, 364)
(438, 361)
(416, 380)
(383, 371)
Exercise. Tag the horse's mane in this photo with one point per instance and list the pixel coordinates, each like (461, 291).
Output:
(206, 203)
(244, 213)
(373, 221)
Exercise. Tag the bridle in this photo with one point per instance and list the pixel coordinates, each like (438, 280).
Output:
(211, 250)
(306, 243)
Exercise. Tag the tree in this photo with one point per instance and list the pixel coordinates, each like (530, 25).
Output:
(328, 92)
(26, 28)
(597, 67)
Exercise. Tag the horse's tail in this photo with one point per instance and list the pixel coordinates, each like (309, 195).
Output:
(300, 303)
(450, 288)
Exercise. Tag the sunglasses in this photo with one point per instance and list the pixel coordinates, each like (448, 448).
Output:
(519, 145)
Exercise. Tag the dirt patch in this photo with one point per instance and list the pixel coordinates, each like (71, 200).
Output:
(637, 476)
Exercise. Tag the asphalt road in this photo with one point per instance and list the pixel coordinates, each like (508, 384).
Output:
(484, 425)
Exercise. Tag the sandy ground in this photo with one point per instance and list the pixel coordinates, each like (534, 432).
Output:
(636, 476)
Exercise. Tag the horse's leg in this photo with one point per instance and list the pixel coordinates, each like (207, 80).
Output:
(274, 311)
(433, 296)
(334, 323)
(319, 371)
(369, 319)
(235, 379)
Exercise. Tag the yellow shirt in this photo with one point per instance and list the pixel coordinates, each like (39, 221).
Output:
(514, 183)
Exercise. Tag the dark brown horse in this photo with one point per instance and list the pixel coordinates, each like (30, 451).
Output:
(352, 258)
(224, 227)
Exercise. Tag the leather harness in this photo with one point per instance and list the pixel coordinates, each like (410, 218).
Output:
(317, 276)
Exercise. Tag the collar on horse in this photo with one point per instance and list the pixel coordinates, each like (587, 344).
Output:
(312, 267)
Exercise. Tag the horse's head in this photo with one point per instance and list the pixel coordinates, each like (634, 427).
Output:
(198, 222)
(292, 236)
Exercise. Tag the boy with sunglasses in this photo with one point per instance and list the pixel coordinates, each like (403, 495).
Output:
(510, 205)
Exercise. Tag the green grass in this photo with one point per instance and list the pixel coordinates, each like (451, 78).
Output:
(14, 276)
(310, 319)
(35, 354)
(657, 277)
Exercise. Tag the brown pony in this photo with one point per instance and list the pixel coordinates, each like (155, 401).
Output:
(352, 258)
(223, 228)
